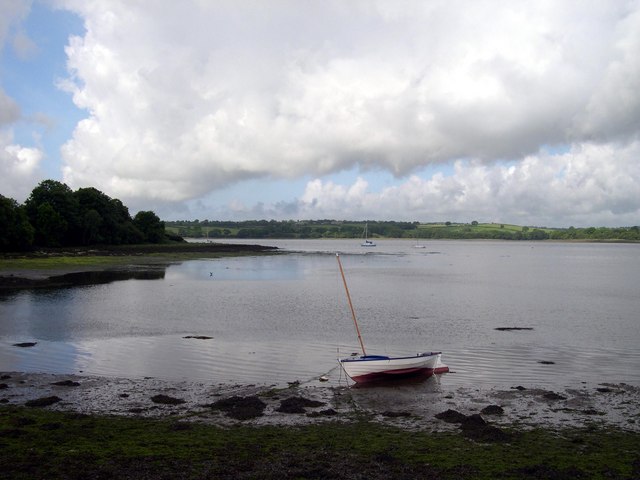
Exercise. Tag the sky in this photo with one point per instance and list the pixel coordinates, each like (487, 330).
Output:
(459, 110)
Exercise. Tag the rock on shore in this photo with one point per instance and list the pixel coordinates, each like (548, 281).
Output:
(222, 404)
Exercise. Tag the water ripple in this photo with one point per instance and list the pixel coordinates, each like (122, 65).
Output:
(278, 363)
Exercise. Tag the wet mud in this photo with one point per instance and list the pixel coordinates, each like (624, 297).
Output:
(480, 413)
(146, 263)
(241, 408)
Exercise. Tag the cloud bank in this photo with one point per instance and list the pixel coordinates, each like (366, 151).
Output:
(590, 185)
(532, 102)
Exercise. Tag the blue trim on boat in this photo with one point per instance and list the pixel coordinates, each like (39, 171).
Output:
(367, 358)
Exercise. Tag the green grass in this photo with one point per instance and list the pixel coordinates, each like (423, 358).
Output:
(480, 227)
(62, 262)
(37, 443)
(116, 255)
(203, 230)
(71, 263)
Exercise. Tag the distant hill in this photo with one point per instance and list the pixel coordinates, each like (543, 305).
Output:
(389, 229)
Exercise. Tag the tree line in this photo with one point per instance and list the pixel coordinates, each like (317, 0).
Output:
(56, 216)
(287, 229)
(258, 229)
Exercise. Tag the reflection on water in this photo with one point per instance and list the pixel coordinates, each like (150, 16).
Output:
(172, 357)
(108, 276)
(280, 318)
(239, 269)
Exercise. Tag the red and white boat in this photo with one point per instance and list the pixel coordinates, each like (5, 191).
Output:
(365, 368)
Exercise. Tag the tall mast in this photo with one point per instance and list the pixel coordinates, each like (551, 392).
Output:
(353, 312)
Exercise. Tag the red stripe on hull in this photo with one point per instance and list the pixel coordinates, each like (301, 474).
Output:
(405, 372)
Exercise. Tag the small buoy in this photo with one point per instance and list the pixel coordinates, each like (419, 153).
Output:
(324, 378)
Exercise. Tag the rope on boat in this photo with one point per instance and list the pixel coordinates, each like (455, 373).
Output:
(346, 377)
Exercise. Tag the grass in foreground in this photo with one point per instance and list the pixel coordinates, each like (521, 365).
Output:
(36, 443)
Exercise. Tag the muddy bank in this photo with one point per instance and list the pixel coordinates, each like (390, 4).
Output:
(86, 275)
(124, 250)
(476, 410)
(146, 262)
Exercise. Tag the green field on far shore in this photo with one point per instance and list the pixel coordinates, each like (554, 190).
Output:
(391, 229)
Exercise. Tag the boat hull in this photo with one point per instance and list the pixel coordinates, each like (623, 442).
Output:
(373, 367)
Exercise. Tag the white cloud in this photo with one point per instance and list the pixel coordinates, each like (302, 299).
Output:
(20, 165)
(12, 12)
(589, 185)
(613, 110)
(184, 98)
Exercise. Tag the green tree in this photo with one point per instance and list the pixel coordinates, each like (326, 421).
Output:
(538, 234)
(127, 232)
(51, 228)
(62, 204)
(150, 225)
(115, 222)
(91, 222)
(16, 233)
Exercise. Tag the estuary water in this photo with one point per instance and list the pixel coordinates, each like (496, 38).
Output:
(279, 318)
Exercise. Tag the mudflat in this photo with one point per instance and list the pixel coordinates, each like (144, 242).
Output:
(603, 405)
(45, 268)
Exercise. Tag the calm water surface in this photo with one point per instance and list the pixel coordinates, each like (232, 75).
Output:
(284, 317)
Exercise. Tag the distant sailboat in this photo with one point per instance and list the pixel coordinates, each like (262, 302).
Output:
(367, 242)
(365, 368)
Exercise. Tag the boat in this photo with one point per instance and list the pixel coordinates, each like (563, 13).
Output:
(418, 244)
(367, 242)
(363, 368)
(368, 368)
